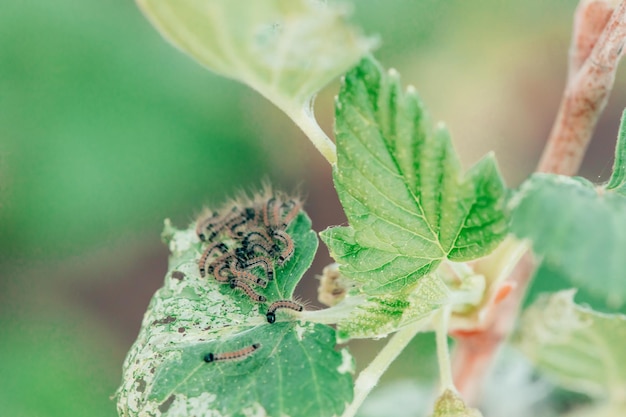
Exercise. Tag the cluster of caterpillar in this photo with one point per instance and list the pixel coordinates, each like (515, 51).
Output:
(257, 240)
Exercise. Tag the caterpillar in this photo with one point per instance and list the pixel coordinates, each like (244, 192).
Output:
(216, 223)
(208, 252)
(273, 216)
(248, 277)
(238, 283)
(288, 247)
(290, 214)
(258, 238)
(263, 262)
(242, 270)
(202, 224)
(271, 311)
(231, 356)
(223, 265)
(247, 215)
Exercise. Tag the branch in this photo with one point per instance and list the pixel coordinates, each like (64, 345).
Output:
(588, 86)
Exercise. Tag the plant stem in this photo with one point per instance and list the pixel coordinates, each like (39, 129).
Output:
(475, 351)
(305, 119)
(368, 378)
(443, 353)
(587, 90)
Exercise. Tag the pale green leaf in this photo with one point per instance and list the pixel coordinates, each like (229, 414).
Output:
(581, 349)
(285, 49)
(449, 404)
(295, 370)
(401, 184)
(578, 228)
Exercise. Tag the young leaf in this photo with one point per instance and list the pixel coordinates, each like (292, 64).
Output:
(580, 348)
(285, 368)
(401, 185)
(578, 228)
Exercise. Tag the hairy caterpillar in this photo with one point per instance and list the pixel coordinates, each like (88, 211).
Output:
(208, 252)
(271, 311)
(230, 356)
(238, 283)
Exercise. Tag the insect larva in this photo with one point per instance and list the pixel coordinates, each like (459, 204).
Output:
(231, 356)
(220, 260)
(202, 224)
(278, 215)
(223, 266)
(208, 252)
(259, 238)
(270, 212)
(245, 216)
(237, 283)
(216, 225)
(271, 311)
(291, 213)
(249, 277)
(288, 248)
(263, 262)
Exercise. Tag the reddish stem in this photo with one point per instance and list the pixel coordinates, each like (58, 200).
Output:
(598, 37)
(588, 88)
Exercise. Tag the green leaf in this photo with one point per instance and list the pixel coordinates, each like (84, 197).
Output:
(295, 369)
(285, 49)
(581, 349)
(377, 316)
(401, 185)
(618, 178)
(578, 228)
(449, 404)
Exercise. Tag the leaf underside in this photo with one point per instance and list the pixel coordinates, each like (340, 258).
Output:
(401, 185)
(583, 350)
(285, 49)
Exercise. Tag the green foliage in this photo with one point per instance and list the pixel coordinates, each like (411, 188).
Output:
(285, 49)
(294, 371)
(401, 186)
(578, 228)
(583, 350)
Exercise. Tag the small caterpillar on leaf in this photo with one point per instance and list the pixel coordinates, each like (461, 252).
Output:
(230, 356)
(271, 311)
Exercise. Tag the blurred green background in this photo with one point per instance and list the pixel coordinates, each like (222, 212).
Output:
(105, 130)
